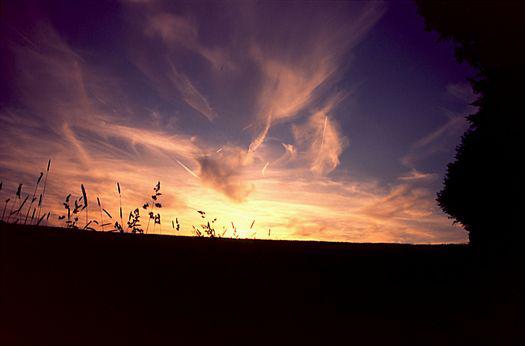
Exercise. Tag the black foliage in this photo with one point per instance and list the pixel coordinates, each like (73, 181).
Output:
(134, 221)
(483, 187)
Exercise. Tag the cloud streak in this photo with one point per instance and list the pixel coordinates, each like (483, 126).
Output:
(190, 94)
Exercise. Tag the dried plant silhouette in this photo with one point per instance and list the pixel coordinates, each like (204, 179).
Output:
(175, 223)
(33, 198)
(5, 207)
(21, 209)
(151, 205)
(73, 212)
(5, 203)
(206, 228)
(117, 225)
(17, 197)
(43, 194)
(73, 207)
(16, 213)
(134, 221)
(100, 213)
(85, 201)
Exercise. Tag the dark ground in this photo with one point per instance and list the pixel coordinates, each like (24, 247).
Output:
(62, 287)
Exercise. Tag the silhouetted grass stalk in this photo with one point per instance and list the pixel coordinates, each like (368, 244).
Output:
(39, 204)
(84, 195)
(208, 227)
(17, 212)
(7, 200)
(120, 203)
(101, 216)
(47, 218)
(40, 219)
(33, 198)
(5, 207)
(44, 190)
(18, 192)
(154, 204)
(153, 211)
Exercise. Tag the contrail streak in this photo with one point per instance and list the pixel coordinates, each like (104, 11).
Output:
(324, 129)
(187, 169)
(264, 168)
(262, 136)
(25, 38)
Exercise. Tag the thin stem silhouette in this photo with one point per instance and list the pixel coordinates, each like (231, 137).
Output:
(84, 195)
(120, 202)
(33, 198)
(44, 190)
(101, 216)
(5, 207)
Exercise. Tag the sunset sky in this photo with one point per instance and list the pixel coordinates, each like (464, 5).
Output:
(324, 121)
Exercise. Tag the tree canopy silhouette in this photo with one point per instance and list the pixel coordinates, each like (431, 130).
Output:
(483, 187)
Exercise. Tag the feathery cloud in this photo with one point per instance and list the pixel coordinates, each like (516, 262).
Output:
(223, 171)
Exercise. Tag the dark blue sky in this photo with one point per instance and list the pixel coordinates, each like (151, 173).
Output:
(403, 74)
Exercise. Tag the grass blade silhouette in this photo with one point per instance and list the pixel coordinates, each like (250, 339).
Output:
(84, 195)
(40, 220)
(17, 196)
(39, 205)
(107, 213)
(101, 215)
(17, 212)
(47, 218)
(5, 207)
(120, 201)
(44, 190)
(153, 204)
(33, 199)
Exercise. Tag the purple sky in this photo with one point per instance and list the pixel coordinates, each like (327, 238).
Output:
(320, 120)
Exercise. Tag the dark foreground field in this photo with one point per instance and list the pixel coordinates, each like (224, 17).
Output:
(61, 287)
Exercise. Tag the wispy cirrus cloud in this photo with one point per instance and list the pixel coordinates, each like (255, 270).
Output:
(190, 94)
(296, 68)
(435, 141)
(320, 142)
(415, 175)
(177, 29)
(172, 84)
(448, 132)
(99, 125)
(462, 91)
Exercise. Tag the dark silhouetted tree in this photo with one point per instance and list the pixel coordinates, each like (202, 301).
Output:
(483, 187)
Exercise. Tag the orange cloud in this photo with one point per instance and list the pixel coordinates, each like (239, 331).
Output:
(223, 171)
(322, 142)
